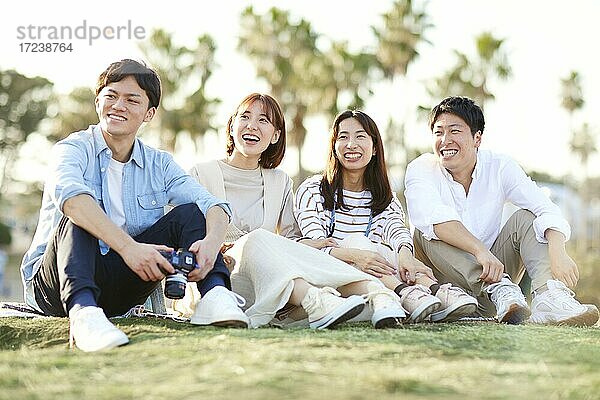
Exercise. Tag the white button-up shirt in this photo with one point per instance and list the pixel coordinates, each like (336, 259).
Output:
(433, 197)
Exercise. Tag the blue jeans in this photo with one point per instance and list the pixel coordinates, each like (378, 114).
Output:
(72, 262)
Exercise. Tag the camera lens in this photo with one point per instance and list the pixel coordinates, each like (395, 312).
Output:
(175, 285)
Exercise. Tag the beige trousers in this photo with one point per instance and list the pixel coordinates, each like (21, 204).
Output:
(516, 247)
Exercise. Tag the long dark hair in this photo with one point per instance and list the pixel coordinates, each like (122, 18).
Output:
(375, 175)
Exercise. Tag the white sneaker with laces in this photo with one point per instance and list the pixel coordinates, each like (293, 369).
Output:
(511, 306)
(220, 307)
(387, 308)
(326, 308)
(456, 303)
(419, 302)
(557, 305)
(90, 330)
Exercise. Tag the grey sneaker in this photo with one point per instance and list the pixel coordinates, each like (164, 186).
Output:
(456, 303)
(326, 308)
(557, 305)
(419, 302)
(511, 306)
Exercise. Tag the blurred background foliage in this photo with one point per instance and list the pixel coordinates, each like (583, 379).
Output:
(311, 75)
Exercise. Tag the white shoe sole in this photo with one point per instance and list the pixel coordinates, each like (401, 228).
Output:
(350, 308)
(225, 321)
(389, 319)
(424, 310)
(118, 339)
(455, 311)
(587, 318)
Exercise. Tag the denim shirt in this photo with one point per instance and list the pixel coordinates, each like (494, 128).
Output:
(151, 180)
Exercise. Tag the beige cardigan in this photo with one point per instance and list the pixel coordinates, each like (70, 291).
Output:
(278, 199)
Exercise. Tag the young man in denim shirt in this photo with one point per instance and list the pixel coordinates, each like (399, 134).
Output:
(95, 252)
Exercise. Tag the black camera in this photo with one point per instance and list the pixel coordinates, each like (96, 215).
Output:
(183, 262)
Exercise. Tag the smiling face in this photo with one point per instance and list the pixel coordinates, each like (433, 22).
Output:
(455, 145)
(353, 145)
(122, 107)
(252, 132)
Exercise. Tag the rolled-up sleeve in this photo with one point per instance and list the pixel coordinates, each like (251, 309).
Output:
(66, 173)
(424, 201)
(525, 193)
(182, 189)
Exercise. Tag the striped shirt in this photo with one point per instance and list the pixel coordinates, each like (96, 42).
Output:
(387, 228)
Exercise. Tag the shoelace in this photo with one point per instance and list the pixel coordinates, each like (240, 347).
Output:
(422, 289)
(454, 289)
(389, 295)
(317, 301)
(502, 292)
(562, 292)
(140, 311)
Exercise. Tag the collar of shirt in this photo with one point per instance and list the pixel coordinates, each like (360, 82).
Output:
(101, 146)
(475, 174)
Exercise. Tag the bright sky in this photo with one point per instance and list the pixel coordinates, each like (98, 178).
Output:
(545, 41)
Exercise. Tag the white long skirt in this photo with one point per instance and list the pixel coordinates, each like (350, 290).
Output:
(267, 264)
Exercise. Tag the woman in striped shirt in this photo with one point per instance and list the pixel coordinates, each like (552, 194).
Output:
(277, 275)
(352, 209)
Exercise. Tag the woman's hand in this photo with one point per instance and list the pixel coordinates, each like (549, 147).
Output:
(409, 266)
(320, 243)
(371, 263)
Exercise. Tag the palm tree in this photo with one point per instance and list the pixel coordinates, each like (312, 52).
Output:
(23, 105)
(398, 40)
(582, 142)
(184, 73)
(285, 54)
(403, 31)
(470, 76)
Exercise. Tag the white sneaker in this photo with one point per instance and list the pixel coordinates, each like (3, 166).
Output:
(90, 330)
(220, 307)
(456, 303)
(557, 305)
(511, 306)
(326, 308)
(387, 308)
(419, 302)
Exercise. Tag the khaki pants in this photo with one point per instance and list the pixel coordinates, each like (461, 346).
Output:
(516, 247)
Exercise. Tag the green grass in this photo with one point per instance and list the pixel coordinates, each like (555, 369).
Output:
(174, 360)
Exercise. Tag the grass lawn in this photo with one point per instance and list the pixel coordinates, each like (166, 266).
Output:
(169, 360)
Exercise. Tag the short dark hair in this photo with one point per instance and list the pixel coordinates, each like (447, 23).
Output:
(375, 175)
(273, 155)
(462, 107)
(145, 76)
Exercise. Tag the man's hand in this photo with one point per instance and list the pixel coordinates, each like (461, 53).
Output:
(206, 251)
(408, 266)
(562, 266)
(493, 269)
(564, 269)
(146, 261)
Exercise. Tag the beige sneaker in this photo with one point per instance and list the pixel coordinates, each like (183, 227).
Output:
(387, 309)
(456, 303)
(326, 308)
(419, 302)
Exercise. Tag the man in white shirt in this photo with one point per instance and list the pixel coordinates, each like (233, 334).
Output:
(455, 200)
